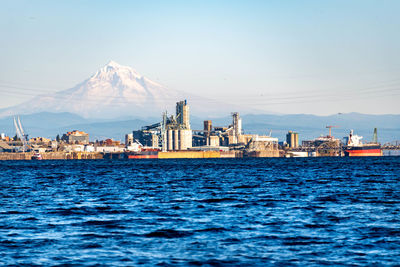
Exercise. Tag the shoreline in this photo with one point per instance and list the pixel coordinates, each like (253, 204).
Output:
(12, 156)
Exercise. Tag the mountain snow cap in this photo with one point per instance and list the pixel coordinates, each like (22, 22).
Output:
(112, 63)
(112, 71)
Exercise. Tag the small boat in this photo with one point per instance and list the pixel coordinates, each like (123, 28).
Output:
(36, 156)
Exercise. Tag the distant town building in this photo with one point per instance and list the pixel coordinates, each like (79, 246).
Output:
(108, 142)
(109, 146)
(5, 147)
(89, 148)
(39, 140)
(76, 137)
(73, 148)
(4, 137)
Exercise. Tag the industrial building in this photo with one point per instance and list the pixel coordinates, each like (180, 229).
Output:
(292, 139)
(146, 138)
(233, 138)
(172, 134)
(221, 136)
(262, 147)
(324, 146)
(182, 114)
(178, 135)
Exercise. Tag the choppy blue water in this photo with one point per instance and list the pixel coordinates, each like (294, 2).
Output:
(391, 152)
(310, 211)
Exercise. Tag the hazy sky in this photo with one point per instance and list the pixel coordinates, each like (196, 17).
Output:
(319, 57)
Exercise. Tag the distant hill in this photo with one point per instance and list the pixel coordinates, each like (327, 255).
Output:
(48, 124)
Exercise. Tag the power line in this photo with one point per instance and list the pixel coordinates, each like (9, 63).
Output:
(363, 93)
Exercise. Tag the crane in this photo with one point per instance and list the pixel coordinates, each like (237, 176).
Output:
(330, 129)
(21, 134)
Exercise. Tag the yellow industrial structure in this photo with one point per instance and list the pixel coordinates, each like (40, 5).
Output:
(189, 154)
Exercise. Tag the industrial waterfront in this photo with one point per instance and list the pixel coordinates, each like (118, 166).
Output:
(173, 137)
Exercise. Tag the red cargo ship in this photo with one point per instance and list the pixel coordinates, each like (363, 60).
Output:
(355, 148)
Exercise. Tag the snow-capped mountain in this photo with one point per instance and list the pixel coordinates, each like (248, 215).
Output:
(117, 91)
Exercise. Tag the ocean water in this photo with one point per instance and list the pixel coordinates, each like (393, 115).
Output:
(225, 212)
(395, 152)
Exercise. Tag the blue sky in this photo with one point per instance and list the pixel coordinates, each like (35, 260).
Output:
(320, 57)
